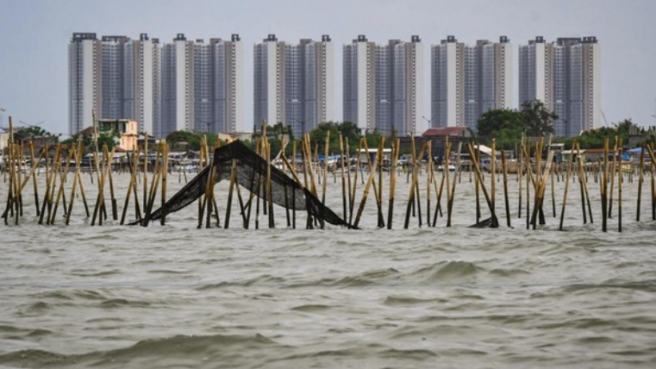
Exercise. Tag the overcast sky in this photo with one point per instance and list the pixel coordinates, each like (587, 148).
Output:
(36, 33)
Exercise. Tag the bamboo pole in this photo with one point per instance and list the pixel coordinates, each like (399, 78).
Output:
(395, 157)
(355, 181)
(370, 180)
(619, 190)
(604, 190)
(613, 169)
(453, 186)
(493, 173)
(133, 171)
(33, 175)
(341, 154)
(447, 171)
(640, 180)
(60, 193)
(569, 172)
(520, 176)
(505, 188)
(165, 157)
(495, 221)
(233, 180)
(412, 185)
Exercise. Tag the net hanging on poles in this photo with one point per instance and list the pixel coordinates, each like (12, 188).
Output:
(251, 175)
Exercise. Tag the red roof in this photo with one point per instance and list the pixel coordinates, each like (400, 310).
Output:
(447, 131)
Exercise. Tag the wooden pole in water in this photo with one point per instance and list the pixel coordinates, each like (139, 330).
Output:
(653, 191)
(453, 186)
(604, 189)
(130, 186)
(395, 157)
(145, 172)
(493, 173)
(569, 172)
(653, 182)
(165, 159)
(60, 192)
(495, 221)
(613, 169)
(447, 172)
(619, 189)
(520, 176)
(379, 197)
(412, 185)
(553, 190)
(355, 181)
(476, 157)
(341, 159)
(153, 190)
(35, 164)
(429, 180)
(640, 180)
(233, 180)
(505, 188)
(367, 187)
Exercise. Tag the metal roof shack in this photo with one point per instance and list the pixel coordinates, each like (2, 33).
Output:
(460, 132)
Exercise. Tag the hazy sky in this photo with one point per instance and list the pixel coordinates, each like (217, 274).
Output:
(36, 33)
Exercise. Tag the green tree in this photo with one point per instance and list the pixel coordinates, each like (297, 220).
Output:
(373, 138)
(22, 134)
(504, 125)
(538, 119)
(179, 139)
(347, 129)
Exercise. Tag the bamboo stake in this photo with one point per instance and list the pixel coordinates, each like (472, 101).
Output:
(569, 172)
(62, 183)
(495, 222)
(619, 191)
(395, 157)
(505, 188)
(341, 154)
(165, 158)
(640, 180)
(355, 181)
(367, 187)
(613, 169)
(233, 180)
(604, 190)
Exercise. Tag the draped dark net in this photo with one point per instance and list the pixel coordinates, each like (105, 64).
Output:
(251, 175)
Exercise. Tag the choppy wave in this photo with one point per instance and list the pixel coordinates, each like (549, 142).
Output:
(176, 296)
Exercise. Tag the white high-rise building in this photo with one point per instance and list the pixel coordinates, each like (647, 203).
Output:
(566, 76)
(268, 81)
(319, 82)
(218, 85)
(496, 73)
(293, 83)
(177, 86)
(359, 83)
(447, 83)
(84, 82)
(469, 80)
(229, 85)
(142, 100)
(408, 77)
(383, 86)
(113, 77)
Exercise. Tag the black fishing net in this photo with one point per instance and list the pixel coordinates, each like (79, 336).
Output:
(251, 170)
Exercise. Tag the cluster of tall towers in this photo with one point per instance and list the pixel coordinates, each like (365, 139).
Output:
(181, 85)
(199, 86)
